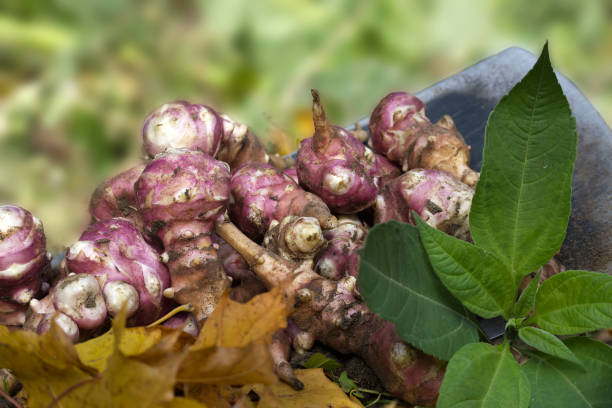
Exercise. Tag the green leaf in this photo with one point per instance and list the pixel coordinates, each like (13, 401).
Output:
(481, 375)
(574, 302)
(477, 278)
(521, 206)
(548, 343)
(318, 360)
(527, 299)
(397, 283)
(558, 383)
(348, 385)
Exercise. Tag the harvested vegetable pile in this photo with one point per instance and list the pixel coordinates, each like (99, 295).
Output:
(208, 266)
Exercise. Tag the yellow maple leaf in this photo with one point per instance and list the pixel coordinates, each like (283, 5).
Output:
(235, 324)
(51, 371)
(319, 391)
(232, 345)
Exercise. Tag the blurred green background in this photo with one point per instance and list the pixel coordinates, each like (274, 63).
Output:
(78, 78)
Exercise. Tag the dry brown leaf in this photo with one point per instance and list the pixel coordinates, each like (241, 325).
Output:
(319, 391)
(50, 369)
(234, 324)
(232, 346)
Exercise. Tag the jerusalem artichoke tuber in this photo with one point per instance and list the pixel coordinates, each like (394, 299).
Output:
(180, 194)
(23, 254)
(338, 168)
(400, 130)
(341, 257)
(127, 268)
(437, 197)
(260, 194)
(182, 124)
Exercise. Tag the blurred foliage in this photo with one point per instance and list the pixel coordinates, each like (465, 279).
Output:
(78, 78)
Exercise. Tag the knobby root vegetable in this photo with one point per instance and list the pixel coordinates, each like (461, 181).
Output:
(115, 197)
(341, 257)
(442, 147)
(41, 312)
(400, 130)
(182, 125)
(23, 255)
(261, 193)
(329, 311)
(180, 194)
(338, 168)
(280, 350)
(393, 123)
(128, 270)
(239, 145)
(438, 198)
(295, 237)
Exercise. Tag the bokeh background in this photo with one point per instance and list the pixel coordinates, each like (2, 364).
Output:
(77, 78)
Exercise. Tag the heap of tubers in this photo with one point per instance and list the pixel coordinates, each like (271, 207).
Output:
(208, 212)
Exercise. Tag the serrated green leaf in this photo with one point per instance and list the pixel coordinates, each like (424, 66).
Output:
(557, 383)
(318, 360)
(482, 376)
(521, 205)
(479, 280)
(574, 302)
(397, 283)
(527, 299)
(547, 343)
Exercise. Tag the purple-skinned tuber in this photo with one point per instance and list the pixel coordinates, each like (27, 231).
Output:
(330, 312)
(23, 255)
(337, 167)
(128, 270)
(396, 118)
(437, 197)
(261, 193)
(182, 124)
(115, 197)
(341, 257)
(180, 195)
(400, 130)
